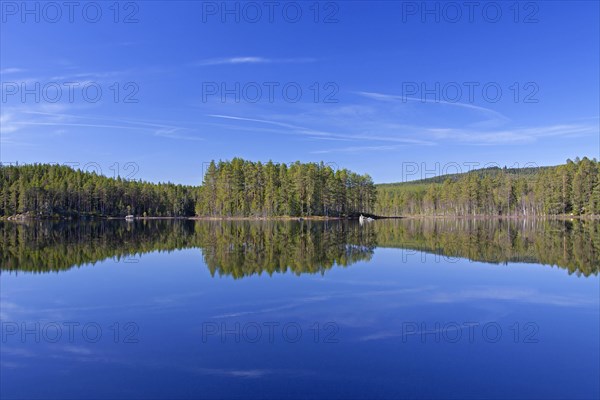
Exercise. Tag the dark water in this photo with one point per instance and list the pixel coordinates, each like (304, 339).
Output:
(411, 308)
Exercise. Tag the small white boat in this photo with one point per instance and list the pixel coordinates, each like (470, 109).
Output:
(129, 217)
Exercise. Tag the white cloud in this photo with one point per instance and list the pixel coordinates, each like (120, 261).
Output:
(513, 136)
(496, 116)
(10, 71)
(20, 118)
(251, 60)
(357, 149)
(325, 135)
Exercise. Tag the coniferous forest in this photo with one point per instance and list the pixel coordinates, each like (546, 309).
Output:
(568, 189)
(245, 188)
(240, 188)
(44, 190)
(235, 188)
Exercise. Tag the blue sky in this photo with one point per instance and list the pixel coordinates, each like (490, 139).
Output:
(379, 88)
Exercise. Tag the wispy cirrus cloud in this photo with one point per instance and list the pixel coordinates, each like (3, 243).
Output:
(92, 76)
(175, 133)
(357, 149)
(6, 71)
(262, 121)
(517, 135)
(488, 112)
(376, 129)
(6, 125)
(28, 118)
(251, 60)
(496, 129)
(320, 134)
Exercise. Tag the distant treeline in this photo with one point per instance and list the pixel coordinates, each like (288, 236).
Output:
(246, 188)
(236, 188)
(571, 188)
(244, 248)
(240, 188)
(44, 190)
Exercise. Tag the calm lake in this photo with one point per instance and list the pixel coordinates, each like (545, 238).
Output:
(288, 309)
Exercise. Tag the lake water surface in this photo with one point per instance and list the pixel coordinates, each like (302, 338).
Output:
(274, 309)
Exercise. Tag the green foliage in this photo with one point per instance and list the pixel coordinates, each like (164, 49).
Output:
(240, 188)
(572, 188)
(43, 190)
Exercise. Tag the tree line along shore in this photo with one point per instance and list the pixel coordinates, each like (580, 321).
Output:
(241, 189)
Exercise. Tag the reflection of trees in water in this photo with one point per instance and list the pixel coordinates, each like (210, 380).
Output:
(230, 248)
(42, 246)
(574, 245)
(243, 248)
(246, 248)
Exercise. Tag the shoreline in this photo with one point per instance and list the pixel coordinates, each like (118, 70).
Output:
(515, 217)
(21, 218)
(278, 218)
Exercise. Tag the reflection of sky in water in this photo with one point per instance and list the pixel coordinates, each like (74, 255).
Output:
(372, 304)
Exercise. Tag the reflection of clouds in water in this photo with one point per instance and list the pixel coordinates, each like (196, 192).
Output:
(9, 308)
(11, 365)
(45, 349)
(333, 281)
(390, 308)
(512, 294)
(259, 311)
(400, 332)
(79, 350)
(16, 351)
(243, 373)
(236, 373)
(350, 309)
(19, 357)
(176, 298)
(296, 303)
(439, 327)
(10, 311)
(492, 300)
(72, 355)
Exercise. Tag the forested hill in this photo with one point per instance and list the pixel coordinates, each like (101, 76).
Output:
(571, 188)
(235, 188)
(527, 172)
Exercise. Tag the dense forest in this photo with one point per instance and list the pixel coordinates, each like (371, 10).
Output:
(571, 188)
(236, 188)
(244, 248)
(44, 190)
(245, 188)
(240, 188)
